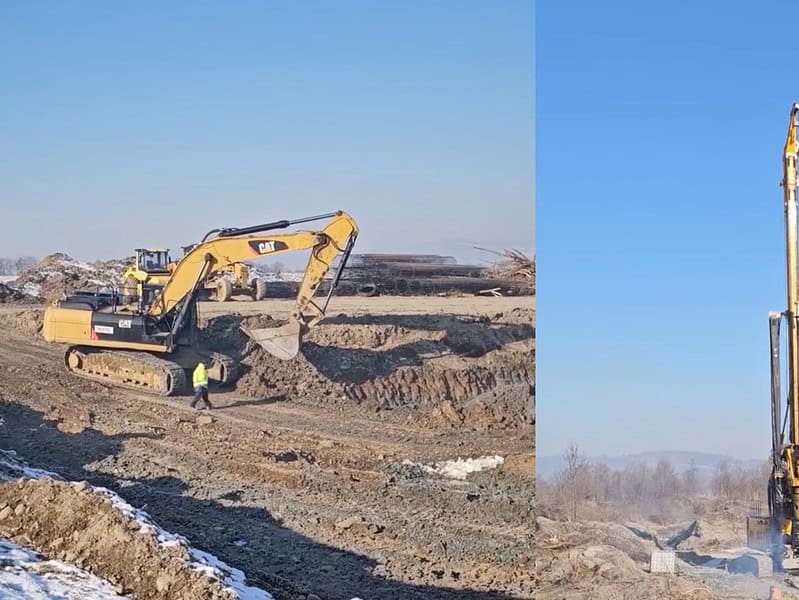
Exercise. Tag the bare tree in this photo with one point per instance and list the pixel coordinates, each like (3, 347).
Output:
(641, 490)
(690, 479)
(723, 480)
(665, 482)
(573, 481)
(15, 266)
(616, 488)
(601, 483)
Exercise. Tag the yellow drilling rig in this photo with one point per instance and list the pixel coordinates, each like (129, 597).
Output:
(778, 533)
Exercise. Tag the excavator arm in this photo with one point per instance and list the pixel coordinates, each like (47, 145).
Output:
(223, 248)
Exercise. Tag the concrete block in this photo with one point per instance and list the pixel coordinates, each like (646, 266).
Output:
(661, 561)
(758, 565)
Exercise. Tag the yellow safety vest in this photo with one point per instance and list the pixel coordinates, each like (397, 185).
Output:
(200, 376)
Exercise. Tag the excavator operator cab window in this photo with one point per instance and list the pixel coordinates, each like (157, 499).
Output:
(154, 261)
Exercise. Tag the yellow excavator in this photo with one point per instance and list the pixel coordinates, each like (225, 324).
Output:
(152, 266)
(151, 344)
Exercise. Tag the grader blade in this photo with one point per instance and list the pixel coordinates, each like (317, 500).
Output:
(282, 342)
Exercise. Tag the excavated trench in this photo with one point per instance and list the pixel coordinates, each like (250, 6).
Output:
(472, 371)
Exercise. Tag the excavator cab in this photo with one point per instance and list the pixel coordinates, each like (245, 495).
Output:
(153, 261)
(150, 269)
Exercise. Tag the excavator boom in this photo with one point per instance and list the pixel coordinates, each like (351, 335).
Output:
(231, 246)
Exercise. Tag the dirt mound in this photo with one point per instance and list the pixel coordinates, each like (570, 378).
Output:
(94, 529)
(9, 295)
(27, 322)
(455, 370)
(59, 273)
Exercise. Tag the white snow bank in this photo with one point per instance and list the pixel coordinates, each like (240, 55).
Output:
(459, 469)
(24, 575)
(230, 578)
(7, 278)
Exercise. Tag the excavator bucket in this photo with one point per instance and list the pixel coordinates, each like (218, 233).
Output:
(282, 342)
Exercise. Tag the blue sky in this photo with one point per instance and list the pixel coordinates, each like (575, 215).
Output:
(148, 123)
(660, 244)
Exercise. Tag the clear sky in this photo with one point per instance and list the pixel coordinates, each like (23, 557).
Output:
(660, 244)
(148, 123)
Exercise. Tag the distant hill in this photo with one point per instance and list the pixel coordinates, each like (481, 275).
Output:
(547, 466)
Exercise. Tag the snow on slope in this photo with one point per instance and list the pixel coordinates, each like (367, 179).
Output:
(27, 576)
(208, 564)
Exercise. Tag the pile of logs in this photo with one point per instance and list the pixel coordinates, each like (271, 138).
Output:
(422, 274)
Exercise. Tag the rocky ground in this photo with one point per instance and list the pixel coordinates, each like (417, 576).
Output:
(336, 475)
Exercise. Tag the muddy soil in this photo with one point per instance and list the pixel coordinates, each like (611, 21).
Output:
(24, 322)
(306, 493)
(475, 372)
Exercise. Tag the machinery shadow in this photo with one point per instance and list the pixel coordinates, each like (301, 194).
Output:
(285, 562)
(252, 402)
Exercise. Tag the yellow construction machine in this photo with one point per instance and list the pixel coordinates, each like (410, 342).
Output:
(778, 533)
(152, 266)
(150, 344)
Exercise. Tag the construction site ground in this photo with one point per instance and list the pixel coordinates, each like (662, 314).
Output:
(608, 560)
(310, 496)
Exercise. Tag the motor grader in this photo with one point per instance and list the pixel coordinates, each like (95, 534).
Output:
(152, 266)
(151, 344)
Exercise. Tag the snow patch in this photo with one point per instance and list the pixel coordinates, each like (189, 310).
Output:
(460, 468)
(32, 289)
(26, 576)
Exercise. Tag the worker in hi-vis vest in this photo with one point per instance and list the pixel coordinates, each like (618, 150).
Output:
(200, 381)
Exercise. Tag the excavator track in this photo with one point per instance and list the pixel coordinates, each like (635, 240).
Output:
(132, 370)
